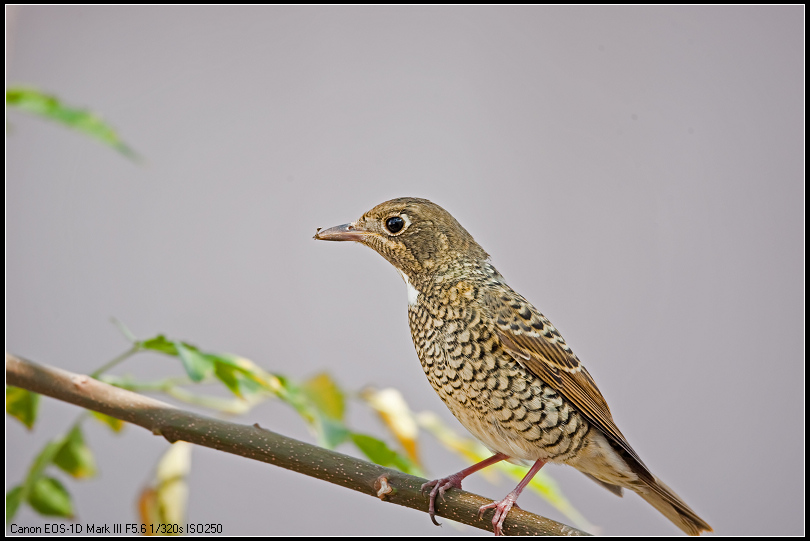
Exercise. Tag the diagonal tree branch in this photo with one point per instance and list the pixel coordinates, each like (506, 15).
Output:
(260, 444)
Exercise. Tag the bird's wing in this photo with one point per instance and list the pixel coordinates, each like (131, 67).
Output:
(532, 341)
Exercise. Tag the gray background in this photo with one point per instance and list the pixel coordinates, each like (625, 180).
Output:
(637, 173)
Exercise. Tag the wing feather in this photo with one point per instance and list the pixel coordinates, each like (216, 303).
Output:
(530, 338)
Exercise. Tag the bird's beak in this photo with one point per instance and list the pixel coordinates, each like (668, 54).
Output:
(342, 232)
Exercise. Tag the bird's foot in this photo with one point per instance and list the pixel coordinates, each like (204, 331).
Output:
(501, 510)
(438, 488)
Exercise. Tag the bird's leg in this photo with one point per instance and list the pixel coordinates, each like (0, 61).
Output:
(502, 507)
(440, 486)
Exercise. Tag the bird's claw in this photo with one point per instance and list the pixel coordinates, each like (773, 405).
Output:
(502, 508)
(438, 488)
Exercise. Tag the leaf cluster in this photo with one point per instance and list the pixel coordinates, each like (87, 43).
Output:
(320, 401)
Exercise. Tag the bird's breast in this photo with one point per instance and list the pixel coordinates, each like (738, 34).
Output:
(506, 407)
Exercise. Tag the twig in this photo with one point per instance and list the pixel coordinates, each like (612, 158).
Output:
(260, 444)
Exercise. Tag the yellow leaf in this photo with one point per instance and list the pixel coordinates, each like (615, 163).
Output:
(397, 416)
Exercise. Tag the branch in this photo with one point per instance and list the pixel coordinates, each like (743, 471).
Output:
(260, 444)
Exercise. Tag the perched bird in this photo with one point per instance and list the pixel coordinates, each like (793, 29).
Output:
(498, 363)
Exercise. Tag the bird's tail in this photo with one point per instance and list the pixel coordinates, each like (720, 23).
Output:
(671, 506)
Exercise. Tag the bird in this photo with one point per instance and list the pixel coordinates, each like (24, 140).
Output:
(498, 364)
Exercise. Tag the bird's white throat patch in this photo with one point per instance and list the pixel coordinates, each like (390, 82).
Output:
(413, 293)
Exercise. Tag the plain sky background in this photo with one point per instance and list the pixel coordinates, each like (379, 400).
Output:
(635, 172)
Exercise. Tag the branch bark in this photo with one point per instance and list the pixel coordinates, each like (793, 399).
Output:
(260, 444)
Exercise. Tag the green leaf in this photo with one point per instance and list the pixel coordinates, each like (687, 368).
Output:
(13, 501)
(325, 395)
(196, 364)
(40, 495)
(331, 433)
(22, 405)
(42, 461)
(249, 377)
(291, 393)
(378, 452)
(160, 344)
(75, 457)
(240, 375)
(49, 497)
(116, 425)
(34, 101)
(228, 376)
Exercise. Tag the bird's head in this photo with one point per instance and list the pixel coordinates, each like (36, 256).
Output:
(415, 235)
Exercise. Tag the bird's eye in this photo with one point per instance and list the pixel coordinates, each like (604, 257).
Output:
(394, 224)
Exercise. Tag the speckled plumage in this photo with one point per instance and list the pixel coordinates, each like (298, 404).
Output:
(498, 364)
(505, 406)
